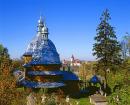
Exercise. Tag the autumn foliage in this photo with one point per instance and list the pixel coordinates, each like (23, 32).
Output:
(8, 91)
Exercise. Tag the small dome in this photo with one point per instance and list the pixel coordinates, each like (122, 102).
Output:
(45, 30)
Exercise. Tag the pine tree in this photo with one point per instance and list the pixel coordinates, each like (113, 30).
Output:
(106, 48)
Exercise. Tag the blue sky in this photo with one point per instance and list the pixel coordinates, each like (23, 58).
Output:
(72, 23)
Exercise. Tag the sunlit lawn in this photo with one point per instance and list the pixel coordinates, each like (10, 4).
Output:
(82, 101)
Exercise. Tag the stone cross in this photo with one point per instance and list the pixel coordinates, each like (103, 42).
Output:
(31, 100)
(67, 100)
(43, 99)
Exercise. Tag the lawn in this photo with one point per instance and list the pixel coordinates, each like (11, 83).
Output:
(82, 101)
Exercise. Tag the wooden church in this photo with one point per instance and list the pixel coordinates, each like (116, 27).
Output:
(42, 65)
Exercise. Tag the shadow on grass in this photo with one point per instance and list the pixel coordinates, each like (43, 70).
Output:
(85, 93)
(90, 90)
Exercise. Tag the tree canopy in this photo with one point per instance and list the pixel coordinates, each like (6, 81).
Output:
(106, 48)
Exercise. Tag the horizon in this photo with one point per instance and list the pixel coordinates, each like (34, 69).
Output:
(72, 24)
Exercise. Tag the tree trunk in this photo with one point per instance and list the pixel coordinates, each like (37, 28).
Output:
(105, 75)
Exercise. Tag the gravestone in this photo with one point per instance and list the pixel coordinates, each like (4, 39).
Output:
(31, 100)
(43, 99)
(98, 99)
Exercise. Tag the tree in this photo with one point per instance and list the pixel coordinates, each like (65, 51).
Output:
(1, 48)
(125, 46)
(17, 64)
(106, 48)
(5, 61)
(7, 83)
(1, 51)
(8, 90)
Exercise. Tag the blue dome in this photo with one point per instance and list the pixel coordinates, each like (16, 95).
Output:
(46, 54)
(42, 51)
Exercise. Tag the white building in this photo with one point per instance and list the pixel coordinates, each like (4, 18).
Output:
(75, 62)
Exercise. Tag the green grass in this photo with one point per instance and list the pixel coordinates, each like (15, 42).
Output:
(20, 89)
(82, 101)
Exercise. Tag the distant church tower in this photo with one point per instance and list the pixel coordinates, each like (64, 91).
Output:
(72, 60)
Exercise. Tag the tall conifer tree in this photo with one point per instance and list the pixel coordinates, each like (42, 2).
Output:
(106, 48)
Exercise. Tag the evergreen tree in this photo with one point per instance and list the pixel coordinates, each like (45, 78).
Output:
(106, 48)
